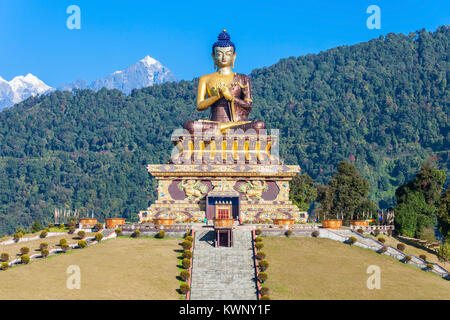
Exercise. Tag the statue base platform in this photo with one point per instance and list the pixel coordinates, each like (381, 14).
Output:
(223, 176)
(192, 192)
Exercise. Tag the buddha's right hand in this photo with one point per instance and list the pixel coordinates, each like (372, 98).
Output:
(225, 92)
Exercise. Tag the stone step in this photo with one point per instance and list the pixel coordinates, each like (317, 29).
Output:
(223, 273)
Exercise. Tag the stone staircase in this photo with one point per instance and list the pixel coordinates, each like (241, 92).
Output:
(223, 273)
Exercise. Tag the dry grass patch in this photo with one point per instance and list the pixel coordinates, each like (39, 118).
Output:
(314, 268)
(114, 269)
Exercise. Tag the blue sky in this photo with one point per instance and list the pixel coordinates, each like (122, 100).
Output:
(114, 34)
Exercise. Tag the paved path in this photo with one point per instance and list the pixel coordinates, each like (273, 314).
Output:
(370, 243)
(223, 273)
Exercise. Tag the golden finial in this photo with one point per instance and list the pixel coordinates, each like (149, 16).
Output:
(224, 30)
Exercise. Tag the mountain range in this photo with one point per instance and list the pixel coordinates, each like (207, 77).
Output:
(144, 73)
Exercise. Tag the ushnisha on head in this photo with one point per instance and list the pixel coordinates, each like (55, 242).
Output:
(223, 51)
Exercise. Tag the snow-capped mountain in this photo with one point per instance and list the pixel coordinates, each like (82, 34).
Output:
(144, 73)
(20, 88)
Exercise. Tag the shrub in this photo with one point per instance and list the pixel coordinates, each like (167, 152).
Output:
(352, 240)
(423, 257)
(186, 245)
(259, 245)
(25, 259)
(360, 231)
(443, 252)
(401, 246)
(184, 288)
(315, 233)
(4, 257)
(185, 275)
(24, 250)
(264, 291)
(189, 238)
(62, 241)
(17, 236)
(187, 254)
(260, 255)
(186, 263)
(5, 265)
(51, 225)
(98, 236)
(72, 223)
(45, 253)
(43, 234)
(136, 234)
(258, 232)
(81, 234)
(62, 225)
(118, 232)
(65, 247)
(258, 239)
(71, 230)
(407, 259)
(265, 297)
(383, 249)
(263, 265)
(430, 266)
(288, 233)
(161, 234)
(381, 239)
(376, 232)
(98, 226)
(262, 276)
(43, 246)
(187, 234)
(82, 244)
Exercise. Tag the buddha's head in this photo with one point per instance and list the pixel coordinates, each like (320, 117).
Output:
(224, 51)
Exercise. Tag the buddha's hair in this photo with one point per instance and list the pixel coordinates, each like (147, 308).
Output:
(223, 41)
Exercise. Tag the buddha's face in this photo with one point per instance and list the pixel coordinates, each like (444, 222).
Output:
(223, 56)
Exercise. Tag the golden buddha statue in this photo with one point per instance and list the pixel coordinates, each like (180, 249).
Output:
(228, 94)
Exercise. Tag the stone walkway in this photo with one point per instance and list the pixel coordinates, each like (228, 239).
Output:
(223, 273)
(370, 243)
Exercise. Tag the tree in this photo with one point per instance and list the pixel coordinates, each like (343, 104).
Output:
(349, 189)
(444, 215)
(430, 181)
(302, 191)
(418, 201)
(366, 208)
(325, 198)
(36, 226)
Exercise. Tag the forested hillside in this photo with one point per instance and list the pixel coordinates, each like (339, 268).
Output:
(382, 105)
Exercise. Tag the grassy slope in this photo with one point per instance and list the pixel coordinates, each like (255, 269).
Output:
(311, 268)
(114, 269)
